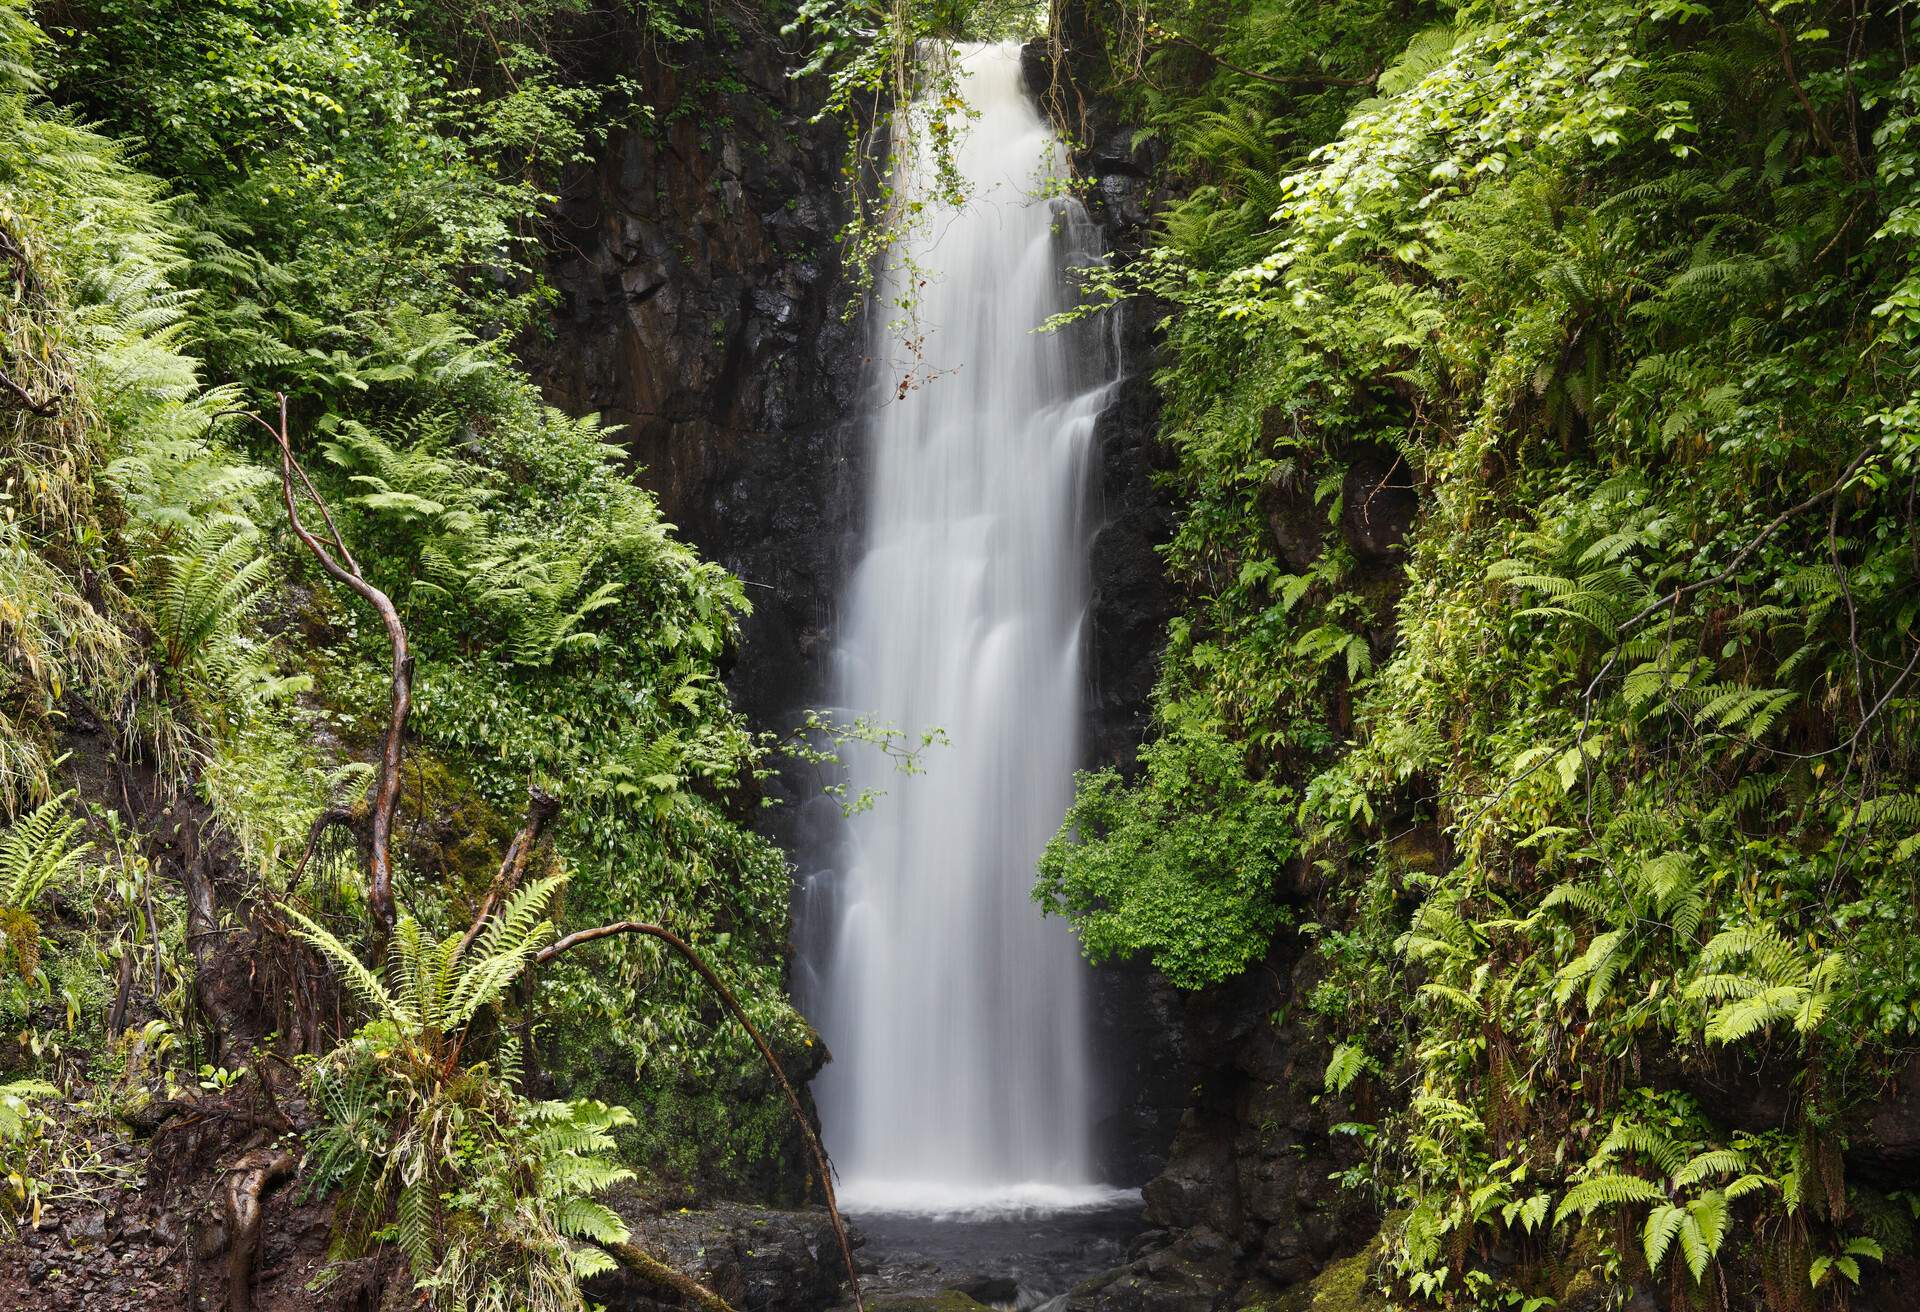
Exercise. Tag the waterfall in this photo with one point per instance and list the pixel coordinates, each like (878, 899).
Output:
(955, 1013)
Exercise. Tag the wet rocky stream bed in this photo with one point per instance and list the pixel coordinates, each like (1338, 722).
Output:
(761, 1260)
(1015, 1262)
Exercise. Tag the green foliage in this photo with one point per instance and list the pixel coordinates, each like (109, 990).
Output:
(351, 204)
(38, 851)
(483, 1190)
(358, 172)
(204, 592)
(1611, 769)
(892, 81)
(1184, 868)
(363, 188)
(23, 1123)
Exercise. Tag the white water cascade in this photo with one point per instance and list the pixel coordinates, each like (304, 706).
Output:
(955, 1013)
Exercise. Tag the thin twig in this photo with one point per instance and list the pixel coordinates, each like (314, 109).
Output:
(699, 963)
(327, 819)
(1834, 489)
(1664, 600)
(44, 409)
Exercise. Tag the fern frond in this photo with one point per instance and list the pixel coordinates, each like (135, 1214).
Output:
(362, 981)
(1613, 1189)
(38, 851)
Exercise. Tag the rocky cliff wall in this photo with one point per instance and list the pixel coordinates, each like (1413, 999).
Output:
(1138, 1036)
(701, 307)
(1225, 1106)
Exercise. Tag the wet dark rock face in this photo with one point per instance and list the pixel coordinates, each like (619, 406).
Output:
(1137, 1038)
(701, 307)
(1244, 1208)
(1239, 1206)
(1130, 599)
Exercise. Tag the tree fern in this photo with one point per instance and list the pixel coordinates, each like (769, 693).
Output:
(502, 952)
(484, 1191)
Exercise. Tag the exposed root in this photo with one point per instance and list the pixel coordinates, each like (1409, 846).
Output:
(247, 1183)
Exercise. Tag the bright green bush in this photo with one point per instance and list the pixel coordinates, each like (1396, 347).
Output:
(1184, 866)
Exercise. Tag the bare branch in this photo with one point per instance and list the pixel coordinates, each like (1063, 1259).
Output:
(327, 819)
(541, 808)
(1753, 544)
(719, 986)
(45, 409)
(386, 796)
(652, 1269)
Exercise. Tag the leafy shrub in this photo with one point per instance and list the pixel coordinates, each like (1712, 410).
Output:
(1184, 867)
(1609, 776)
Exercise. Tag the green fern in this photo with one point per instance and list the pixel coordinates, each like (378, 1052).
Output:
(484, 1191)
(1613, 1189)
(38, 852)
(1344, 1067)
(204, 592)
(1780, 984)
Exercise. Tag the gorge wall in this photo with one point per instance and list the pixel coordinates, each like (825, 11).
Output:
(1247, 1210)
(702, 305)
(1240, 1205)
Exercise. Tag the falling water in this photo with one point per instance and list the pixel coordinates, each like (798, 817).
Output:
(955, 1013)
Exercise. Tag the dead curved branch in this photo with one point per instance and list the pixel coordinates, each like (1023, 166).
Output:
(386, 794)
(541, 808)
(44, 409)
(706, 972)
(657, 1273)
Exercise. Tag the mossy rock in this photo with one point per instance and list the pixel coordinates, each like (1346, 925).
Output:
(1344, 1286)
(1585, 1288)
(445, 828)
